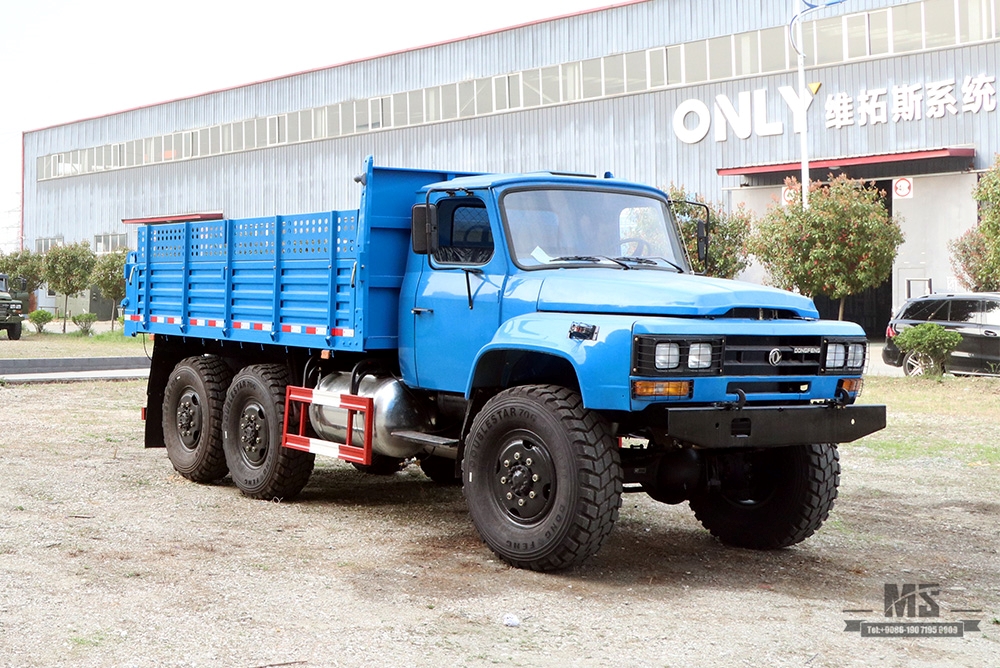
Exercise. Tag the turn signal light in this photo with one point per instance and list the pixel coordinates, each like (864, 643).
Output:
(653, 388)
(851, 385)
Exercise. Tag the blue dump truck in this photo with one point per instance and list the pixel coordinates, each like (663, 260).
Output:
(538, 338)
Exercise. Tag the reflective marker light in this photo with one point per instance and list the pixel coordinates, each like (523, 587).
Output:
(836, 354)
(667, 356)
(700, 356)
(856, 355)
(652, 388)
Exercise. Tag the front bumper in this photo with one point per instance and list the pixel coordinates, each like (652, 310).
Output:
(761, 427)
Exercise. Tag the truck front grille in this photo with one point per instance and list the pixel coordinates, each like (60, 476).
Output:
(736, 356)
(772, 356)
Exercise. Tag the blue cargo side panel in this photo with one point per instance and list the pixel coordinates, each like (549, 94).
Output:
(289, 280)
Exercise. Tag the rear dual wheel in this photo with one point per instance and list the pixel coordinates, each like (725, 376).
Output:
(253, 424)
(192, 417)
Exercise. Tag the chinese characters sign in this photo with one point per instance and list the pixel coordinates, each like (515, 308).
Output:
(937, 99)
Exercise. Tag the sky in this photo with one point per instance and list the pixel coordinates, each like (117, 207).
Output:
(65, 60)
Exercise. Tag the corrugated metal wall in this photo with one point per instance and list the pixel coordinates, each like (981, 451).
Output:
(630, 135)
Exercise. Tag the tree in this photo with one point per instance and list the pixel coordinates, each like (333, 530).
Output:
(24, 264)
(842, 244)
(728, 233)
(108, 276)
(68, 269)
(976, 254)
(971, 261)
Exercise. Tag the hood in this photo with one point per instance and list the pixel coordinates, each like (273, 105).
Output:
(656, 292)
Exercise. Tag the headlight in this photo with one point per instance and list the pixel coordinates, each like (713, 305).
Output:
(667, 355)
(700, 356)
(856, 355)
(836, 354)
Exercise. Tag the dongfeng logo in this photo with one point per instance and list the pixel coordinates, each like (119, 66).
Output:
(774, 357)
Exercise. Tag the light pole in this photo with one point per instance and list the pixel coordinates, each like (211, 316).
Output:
(797, 13)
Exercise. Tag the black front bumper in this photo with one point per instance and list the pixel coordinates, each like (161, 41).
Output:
(760, 427)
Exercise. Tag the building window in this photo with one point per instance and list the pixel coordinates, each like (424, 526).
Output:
(614, 75)
(975, 22)
(773, 42)
(550, 85)
(695, 62)
(532, 88)
(572, 88)
(829, 40)
(878, 32)
(466, 99)
(720, 57)
(907, 28)
(939, 19)
(635, 72)
(43, 244)
(106, 243)
(746, 54)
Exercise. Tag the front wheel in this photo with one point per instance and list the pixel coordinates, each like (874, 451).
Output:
(253, 421)
(771, 498)
(14, 331)
(542, 477)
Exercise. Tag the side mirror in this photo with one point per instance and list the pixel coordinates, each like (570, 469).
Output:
(703, 242)
(424, 228)
(24, 284)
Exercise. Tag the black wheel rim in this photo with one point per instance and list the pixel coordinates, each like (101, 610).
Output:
(253, 433)
(524, 479)
(189, 418)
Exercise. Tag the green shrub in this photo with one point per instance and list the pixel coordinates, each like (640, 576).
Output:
(85, 321)
(39, 319)
(934, 342)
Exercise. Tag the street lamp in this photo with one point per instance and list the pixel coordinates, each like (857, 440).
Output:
(799, 9)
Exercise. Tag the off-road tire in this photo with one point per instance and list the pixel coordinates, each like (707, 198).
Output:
(192, 417)
(795, 490)
(441, 470)
(578, 487)
(252, 420)
(14, 331)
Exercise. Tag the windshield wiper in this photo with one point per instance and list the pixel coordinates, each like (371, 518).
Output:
(650, 261)
(589, 258)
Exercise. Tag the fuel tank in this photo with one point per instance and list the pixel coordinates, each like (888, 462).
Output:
(396, 409)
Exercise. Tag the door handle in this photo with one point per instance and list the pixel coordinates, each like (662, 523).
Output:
(989, 332)
(418, 311)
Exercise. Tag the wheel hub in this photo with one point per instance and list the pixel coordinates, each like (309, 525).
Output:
(253, 434)
(189, 418)
(525, 480)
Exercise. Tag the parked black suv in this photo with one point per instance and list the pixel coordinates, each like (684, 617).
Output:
(976, 316)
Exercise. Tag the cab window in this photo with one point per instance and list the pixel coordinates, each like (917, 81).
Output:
(464, 235)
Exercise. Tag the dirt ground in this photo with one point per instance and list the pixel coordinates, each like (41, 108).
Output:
(108, 558)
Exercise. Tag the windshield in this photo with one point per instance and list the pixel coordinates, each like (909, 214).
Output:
(558, 227)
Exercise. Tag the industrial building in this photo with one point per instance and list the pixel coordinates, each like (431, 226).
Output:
(697, 93)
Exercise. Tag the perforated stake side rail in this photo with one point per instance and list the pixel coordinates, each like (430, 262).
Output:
(353, 404)
(288, 280)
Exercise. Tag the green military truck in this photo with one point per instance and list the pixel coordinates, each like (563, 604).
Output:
(11, 307)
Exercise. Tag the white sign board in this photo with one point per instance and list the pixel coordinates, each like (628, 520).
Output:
(902, 188)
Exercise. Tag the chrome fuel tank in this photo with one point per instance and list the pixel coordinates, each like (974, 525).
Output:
(396, 409)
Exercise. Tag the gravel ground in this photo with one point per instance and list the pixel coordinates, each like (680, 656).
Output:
(108, 558)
